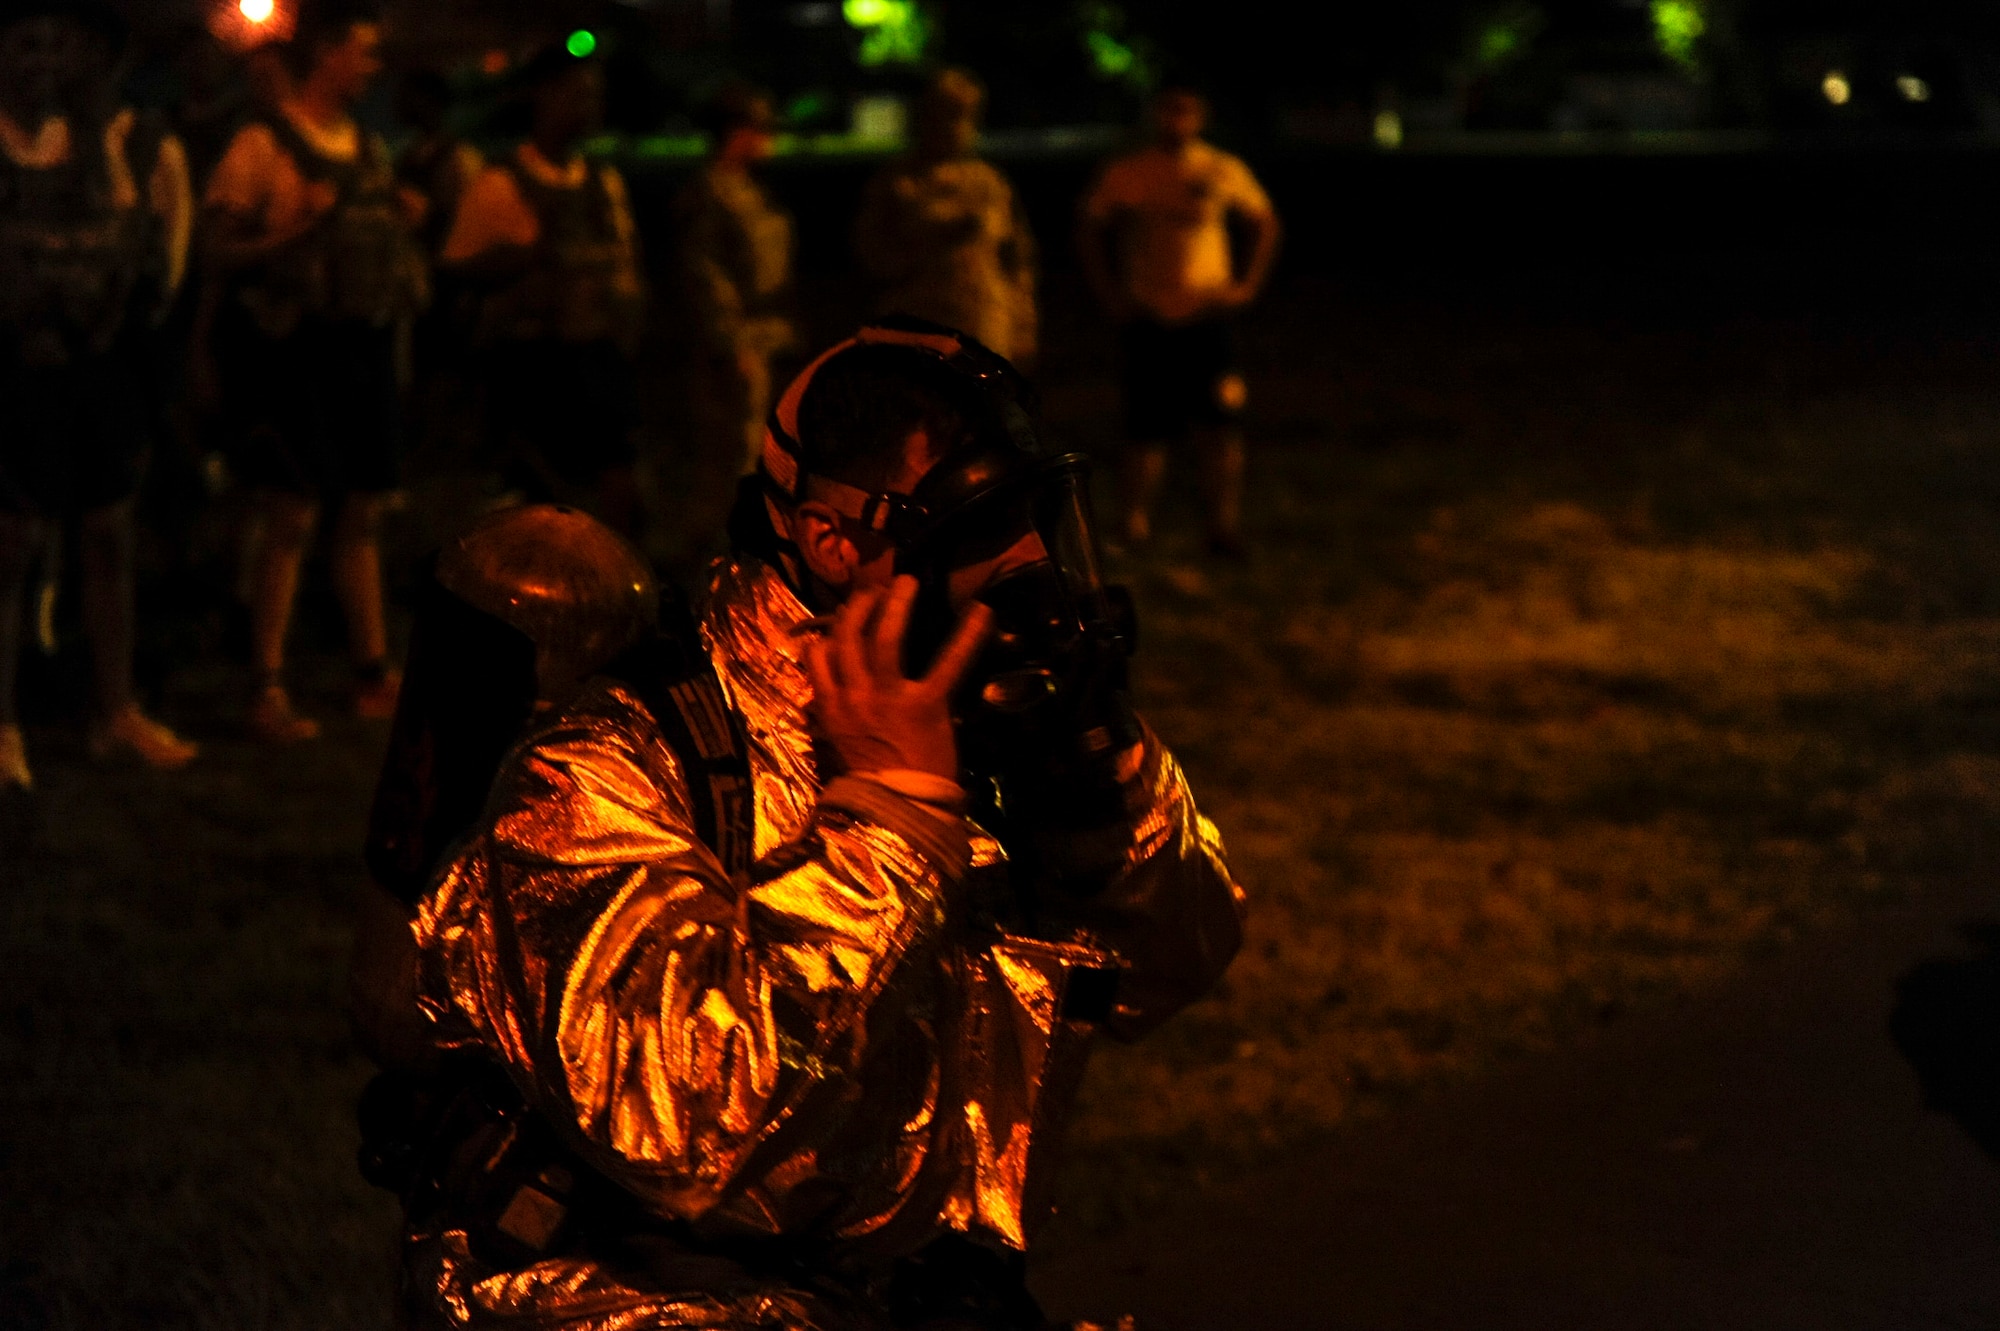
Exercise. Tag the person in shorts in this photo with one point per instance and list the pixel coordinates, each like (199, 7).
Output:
(317, 244)
(546, 238)
(1155, 242)
(94, 221)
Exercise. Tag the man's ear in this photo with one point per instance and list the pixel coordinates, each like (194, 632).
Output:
(829, 556)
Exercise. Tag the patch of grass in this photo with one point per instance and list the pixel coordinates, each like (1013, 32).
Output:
(1511, 727)
(176, 1078)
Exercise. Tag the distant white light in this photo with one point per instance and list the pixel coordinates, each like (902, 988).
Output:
(257, 11)
(1388, 129)
(1836, 88)
(1913, 88)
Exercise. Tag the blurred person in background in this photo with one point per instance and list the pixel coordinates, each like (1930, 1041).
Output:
(444, 419)
(437, 163)
(545, 239)
(736, 268)
(1155, 241)
(95, 214)
(317, 245)
(942, 232)
(208, 89)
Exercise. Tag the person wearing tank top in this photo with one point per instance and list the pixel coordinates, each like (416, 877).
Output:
(94, 221)
(546, 237)
(315, 241)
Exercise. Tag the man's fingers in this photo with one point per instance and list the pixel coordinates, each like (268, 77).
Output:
(891, 622)
(958, 654)
(850, 661)
(819, 669)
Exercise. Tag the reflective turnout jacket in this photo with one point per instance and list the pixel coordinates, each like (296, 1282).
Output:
(837, 1048)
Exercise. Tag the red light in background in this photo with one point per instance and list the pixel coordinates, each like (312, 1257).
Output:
(245, 25)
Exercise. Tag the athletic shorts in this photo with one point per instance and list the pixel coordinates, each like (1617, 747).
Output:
(73, 437)
(561, 409)
(317, 413)
(1179, 377)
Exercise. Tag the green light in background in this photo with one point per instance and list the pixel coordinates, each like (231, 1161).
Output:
(1677, 26)
(806, 108)
(870, 13)
(581, 44)
(1506, 34)
(1497, 43)
(1111, 57)
(893, 32)
(1117, 54)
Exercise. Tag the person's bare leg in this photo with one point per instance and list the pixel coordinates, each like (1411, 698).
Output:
(20, 537)
(1222, 454)
(108, 542)
(1144, 467)
(357, 577)
(287, 531)
(357, 581)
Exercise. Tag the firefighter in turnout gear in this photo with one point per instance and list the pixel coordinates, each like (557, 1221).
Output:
(94, 224)
(549, 236)
(730, 1016)
(317, 244)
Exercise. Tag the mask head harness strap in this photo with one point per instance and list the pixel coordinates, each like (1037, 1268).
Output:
(1000, 402)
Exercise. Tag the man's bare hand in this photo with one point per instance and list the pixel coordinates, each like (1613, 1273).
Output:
(876, 718)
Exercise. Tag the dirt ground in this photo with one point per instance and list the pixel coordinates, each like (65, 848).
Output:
(1582, 659)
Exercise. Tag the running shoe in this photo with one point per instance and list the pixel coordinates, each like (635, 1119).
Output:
(14, 773)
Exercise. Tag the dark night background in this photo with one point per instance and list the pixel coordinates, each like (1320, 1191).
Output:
(1606, 724)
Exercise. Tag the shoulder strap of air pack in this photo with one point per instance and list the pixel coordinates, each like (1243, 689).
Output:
(671, 676)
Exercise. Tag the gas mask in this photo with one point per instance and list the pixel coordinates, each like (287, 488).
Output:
(1044, 712)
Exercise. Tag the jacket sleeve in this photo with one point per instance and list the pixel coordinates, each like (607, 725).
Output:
(1171, 910)
(669, 1017)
